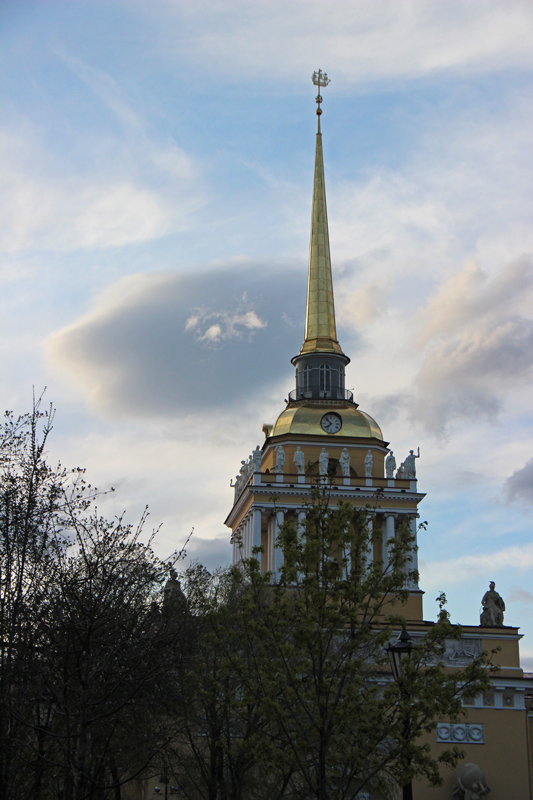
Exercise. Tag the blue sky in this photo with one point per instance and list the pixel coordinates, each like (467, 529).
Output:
(157, 162)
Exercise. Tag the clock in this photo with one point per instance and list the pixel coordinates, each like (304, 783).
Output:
(331, 423)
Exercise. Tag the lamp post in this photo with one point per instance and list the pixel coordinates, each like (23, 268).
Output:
(399, 653)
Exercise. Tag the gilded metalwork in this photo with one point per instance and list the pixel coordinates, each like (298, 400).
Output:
(320, 329)
(306, 419)
(319, 79)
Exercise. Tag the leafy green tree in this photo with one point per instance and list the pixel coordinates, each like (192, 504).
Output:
(32, 533)
(332, 718)
(90, 652)
(218, 753)
(112, 659)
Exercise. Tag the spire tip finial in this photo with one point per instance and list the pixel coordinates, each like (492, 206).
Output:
(319, 79)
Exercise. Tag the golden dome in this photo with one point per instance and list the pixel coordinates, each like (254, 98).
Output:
(306, 417)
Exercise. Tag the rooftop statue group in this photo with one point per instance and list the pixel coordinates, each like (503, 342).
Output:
(253, 464)
(406, 470)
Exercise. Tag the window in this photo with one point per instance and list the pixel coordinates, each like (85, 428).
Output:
(325, 378)
(306, 378)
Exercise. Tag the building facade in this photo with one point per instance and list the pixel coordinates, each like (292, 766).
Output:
(323, 436)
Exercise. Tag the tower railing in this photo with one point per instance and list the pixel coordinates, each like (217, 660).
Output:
(329, 394)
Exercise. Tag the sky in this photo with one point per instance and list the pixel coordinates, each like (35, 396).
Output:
(156, 173)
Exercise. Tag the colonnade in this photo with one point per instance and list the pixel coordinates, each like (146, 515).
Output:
(247, 536)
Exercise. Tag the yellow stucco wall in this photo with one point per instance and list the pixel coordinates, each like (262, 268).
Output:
(312, 451)
(503, 758)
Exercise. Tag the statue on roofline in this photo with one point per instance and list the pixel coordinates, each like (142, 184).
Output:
(493, 608)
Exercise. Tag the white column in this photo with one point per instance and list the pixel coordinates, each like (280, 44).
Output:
(277, 553)
(388, 539)
(368, 553)
(413, 556)
(249, 532)
(256, 531)
(239, 543)
(270, 545)
(245, 543)
(301, 522)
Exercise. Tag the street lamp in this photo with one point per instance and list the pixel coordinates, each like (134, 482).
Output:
(399, 654)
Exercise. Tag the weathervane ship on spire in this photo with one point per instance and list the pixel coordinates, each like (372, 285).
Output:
(319, 79)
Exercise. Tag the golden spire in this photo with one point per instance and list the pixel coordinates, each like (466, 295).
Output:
(320, 330)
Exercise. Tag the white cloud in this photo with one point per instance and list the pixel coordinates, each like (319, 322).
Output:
(357, 42)
(229, 326)
(42, 207)
(471, 299)
(476, 346)
(127, 188)
(468, 567)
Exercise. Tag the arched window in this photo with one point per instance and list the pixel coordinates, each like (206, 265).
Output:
(306, 378)
(325, 378)
(341, 379)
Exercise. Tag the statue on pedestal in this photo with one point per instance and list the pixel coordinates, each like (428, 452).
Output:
(493, 608)
(409, 465)
(323, 463)
(299, 461)
(344, 461)
(390, 465)
(369, 463)
(280, 459)
(174, 601)
(257, 456)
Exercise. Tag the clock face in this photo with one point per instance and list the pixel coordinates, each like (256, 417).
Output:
(331, 423)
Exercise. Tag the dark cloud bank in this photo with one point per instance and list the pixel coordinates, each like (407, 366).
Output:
(520, 485)
(171, 343)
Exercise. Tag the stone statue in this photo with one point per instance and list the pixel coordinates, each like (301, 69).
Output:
(400, 472)
(409, 465)
(257, 456)
(323, 462)
(390, 465)
(240, 480)
(470, 783)
(280, 459)
(493, 608)
(369, 463)
(344, 461)
(299, 461)
(174, 600)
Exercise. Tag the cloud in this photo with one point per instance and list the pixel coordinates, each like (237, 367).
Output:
(519, 486)
(469, 297)
(520, 596)
(360, 42)
(362, 306)
(458, 570)
(168, 344)
(102, 85)
(227, 326)
(476, 343)
(212, 553)
(128, 187)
